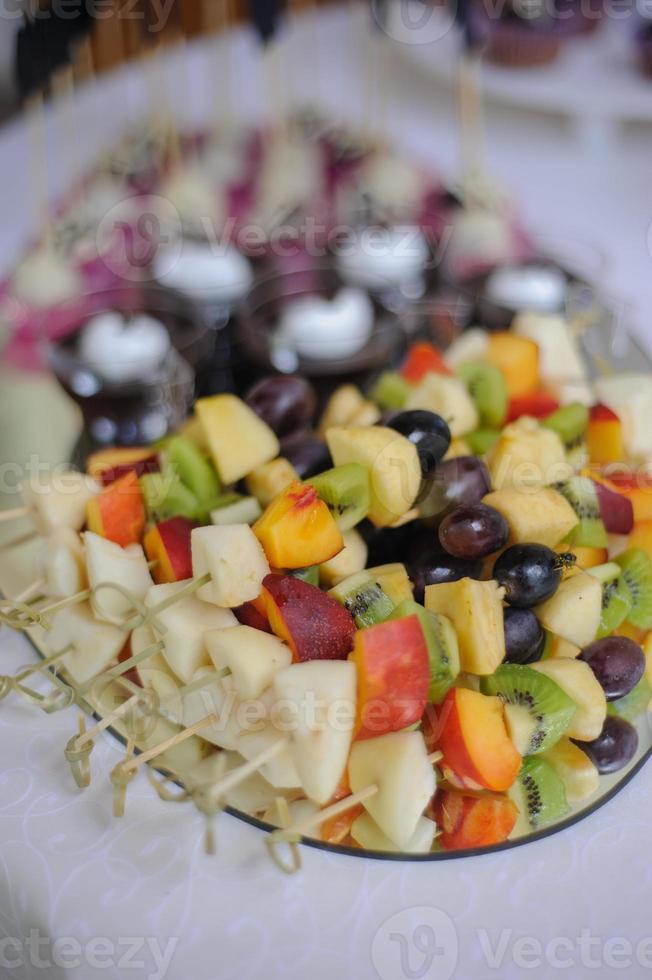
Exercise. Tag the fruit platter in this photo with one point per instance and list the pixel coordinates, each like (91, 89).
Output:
(428, 638)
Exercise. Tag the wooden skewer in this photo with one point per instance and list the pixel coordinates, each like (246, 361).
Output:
(470, 120)
(238, 775)
(14, 513)
(31, 591)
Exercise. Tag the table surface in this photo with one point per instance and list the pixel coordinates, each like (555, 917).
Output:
(578, 901)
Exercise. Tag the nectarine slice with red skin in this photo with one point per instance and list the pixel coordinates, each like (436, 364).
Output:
(616, 510)
(313, 624)
(423, 358)
(538, 405)
(633, 485)
(118, 512)
(297, 529)
(469, 820)
(168, 544)
(250, 614)
(604, 436)
(393, 671)
(108, 465)
(474, 742)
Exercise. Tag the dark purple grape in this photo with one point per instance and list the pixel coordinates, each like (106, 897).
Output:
(308, 454)
(529, 573)
(427, 564)
(461, 480)
(428, 432)
(386, 545)
(473, 531)
(617, 662)
(524, 636)
(614, 747)
(285, 402)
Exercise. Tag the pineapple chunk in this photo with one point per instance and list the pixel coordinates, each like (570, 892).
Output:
(239, 440)
(398, 765)
(573, 612)
(576, 678)
(476, 611)
(392, 462)
(106, 561)
(558, 648)
(537, 516)
(267, 481)
(573, 766)
(351, 559)
(321, 696)
(95, 645)
(235, 559)
(366, 832)
(185, 623)
(393, 580)
(527, 455)
(367, 414)
(448, 397)
(341, 407)
(253, 657)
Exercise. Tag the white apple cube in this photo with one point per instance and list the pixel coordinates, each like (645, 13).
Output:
(398, 765)
(96, 644)
(320, 698)
(298, 810)
(216, 696)
(62, 563)
(185, 623)
(156, 675)
(106, 561)
(280, 771)
(234, 557)
(60, 501)
(254, 795)
(368, 834)
(253, 657)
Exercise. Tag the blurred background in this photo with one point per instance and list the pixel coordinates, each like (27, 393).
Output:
(143, 142)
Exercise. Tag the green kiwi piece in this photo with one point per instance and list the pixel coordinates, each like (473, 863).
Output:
(185, 460)
(364, 598)
(580, 494)
(569, 422)
(540, 796)
(234, 508)
(488, 389)
(481, 441)
(616, 600)
(310, 574)
(166, 496)
(636, 567)
(537, 715)
(345, 491)
(633, 704)
(390, 391)
(443, 651)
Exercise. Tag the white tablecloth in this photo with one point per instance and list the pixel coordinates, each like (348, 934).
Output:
(116, 893)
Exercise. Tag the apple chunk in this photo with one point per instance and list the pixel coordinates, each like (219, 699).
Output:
(252, 657)
(235, 560)
(95, 645)
(239, 440)
(315, 625)
(366, 832)
(398, 765)
(320, 699)
(61, 502)
(106, 561)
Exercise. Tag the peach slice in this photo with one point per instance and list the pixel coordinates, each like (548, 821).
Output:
(298, 529)
(313, 624)
(168, 544)
(470, 820)
(108, 465)
(604, 436)
(118, 512)
(392, 663)
(478, 752)
(518, 359)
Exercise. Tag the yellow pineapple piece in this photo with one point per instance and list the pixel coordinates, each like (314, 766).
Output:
(239, 441)
(267, 481)
(476, 611)
(537, 516)
(341, 407)
(351, 559)
(527, 455)
(393, 580)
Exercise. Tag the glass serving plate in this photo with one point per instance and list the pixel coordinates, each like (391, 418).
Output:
(603, 342)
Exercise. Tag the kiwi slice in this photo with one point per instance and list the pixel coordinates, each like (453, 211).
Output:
(166, 496)
(310, 574)
(443, 651)
(481, 441)
(364, 599)
(345, 491)
(488, 389)
(633, 704)
(636, 567)
(539, 794)
(616, 599)
(537, 715)
(195, 472)
(569, 422)
(580, 493)
(234, 508)
(390, 391)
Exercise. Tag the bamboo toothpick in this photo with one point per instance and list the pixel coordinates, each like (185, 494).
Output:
(469, 101)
